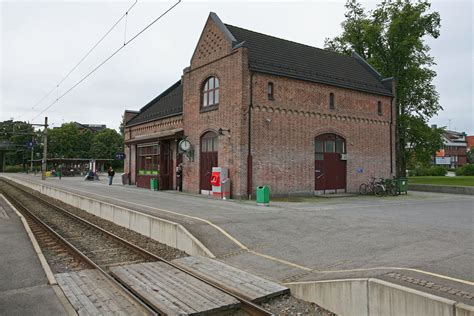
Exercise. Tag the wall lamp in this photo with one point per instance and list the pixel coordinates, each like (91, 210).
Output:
(221, 131)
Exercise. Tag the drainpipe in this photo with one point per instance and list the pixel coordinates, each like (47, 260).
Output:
(249, 155)
(394, 91)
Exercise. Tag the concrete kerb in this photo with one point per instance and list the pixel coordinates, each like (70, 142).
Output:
(167, 232)
(441, 189)
(369, 296)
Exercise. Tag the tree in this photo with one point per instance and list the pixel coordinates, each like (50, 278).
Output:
(470, 155)
(391, 38)
(105, 144)
(19, 134)
(68, 141)
(422, 142)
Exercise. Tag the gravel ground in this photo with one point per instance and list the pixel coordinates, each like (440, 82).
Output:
(289, 305)
(153, 246)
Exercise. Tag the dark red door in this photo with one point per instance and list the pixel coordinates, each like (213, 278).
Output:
(208, 159)
(330, 168)
(165, 165)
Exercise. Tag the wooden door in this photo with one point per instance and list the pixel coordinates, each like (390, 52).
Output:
(330, 168)
(165, 166)
(208, 159)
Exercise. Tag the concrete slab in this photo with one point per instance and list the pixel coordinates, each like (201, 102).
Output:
(24, 289)
(428, 233)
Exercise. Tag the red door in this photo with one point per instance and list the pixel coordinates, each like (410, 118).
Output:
(330, 168)
(208, 159)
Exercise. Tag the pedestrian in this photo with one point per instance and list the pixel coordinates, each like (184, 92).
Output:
(179, 177)
(111, 173)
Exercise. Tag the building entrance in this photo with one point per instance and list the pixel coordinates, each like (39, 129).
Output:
(330, 163)
(208, 159)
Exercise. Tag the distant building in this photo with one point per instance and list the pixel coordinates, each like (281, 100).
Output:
(453, 153)
(470, 142)
(92, 127)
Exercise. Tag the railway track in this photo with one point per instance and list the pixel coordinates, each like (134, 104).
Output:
(92, 246)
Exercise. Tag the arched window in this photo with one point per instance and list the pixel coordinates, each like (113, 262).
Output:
(209, 142)
(210, 92)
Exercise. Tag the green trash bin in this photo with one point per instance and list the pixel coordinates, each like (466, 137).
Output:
(263, 195)
(154, 184)
(402, 185)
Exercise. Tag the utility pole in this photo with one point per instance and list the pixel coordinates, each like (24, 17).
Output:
(45, 149)
(32, 150)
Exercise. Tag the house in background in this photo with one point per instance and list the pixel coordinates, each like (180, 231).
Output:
(454, 151)
(470, 142)
(92, 127)
(299, 119)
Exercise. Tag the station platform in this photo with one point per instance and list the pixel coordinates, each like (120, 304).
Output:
(24, 289)
(422, 240)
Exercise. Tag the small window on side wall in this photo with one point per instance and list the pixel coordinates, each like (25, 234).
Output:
(379, 108)
(270, 91)
(331, 101)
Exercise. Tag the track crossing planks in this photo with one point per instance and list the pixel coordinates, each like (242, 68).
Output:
(91, 293)
(172, 291)
(236, 281)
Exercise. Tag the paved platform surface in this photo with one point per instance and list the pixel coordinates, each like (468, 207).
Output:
(428, 236)
(24, 288)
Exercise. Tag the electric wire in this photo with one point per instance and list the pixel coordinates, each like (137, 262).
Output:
(81, 60)
(107, 59)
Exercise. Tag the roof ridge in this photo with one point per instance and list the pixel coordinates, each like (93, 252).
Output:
(290, 41)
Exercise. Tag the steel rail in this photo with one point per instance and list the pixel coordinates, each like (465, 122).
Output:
(26, 212)
(246, 303)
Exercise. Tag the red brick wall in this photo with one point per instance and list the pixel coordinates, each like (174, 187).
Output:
(283, 132)
(231, 69)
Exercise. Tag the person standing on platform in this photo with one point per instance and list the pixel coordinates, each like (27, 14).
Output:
(179, 177)
(111, 173)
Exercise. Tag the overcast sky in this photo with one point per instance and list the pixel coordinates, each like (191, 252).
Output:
(42, 40)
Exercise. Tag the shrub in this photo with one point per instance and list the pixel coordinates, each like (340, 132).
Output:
(14, 168)
(428, 171)
(466, 170)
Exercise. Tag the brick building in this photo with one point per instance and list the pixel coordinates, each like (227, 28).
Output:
(299, 119)
(454, 151)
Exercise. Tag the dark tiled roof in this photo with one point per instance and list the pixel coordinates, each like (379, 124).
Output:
(169, 103)
(277, 56)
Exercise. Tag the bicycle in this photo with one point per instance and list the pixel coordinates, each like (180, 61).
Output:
(378, 188)
(372, 187)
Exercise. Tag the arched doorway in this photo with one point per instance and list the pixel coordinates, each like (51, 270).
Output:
(330, 163)
(208, 159)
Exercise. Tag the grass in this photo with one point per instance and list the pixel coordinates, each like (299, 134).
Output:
(440, 180)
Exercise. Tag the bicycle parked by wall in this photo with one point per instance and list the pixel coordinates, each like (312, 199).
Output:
(379, 188)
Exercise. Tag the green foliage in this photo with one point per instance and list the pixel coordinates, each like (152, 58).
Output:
(422, 142)
(68, 141)
(14, 168)
(19, 134)
(466, 170)
(428, 171)
(470, 155)
(391, 38)
(106, 144)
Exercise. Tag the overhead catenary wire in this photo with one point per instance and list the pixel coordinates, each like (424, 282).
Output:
(81, 60)
(107, 59)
